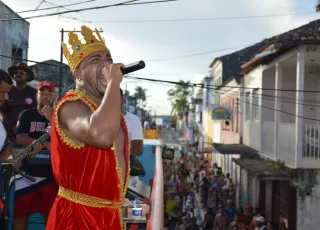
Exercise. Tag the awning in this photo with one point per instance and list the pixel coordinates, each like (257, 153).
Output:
(240, 149)
(208, 150)
(257, 167)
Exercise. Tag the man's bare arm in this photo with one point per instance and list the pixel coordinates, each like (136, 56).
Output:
(98, 129)
(24, 140)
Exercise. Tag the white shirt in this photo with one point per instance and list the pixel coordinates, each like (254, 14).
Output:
(3, 133)
(146, 125)
(134, 126)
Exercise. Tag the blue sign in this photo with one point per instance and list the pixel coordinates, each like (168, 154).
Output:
(221, 113)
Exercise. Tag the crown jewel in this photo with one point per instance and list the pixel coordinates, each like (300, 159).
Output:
(81, 50)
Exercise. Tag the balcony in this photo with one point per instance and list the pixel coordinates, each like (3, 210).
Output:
(284, 123)
(311, 146)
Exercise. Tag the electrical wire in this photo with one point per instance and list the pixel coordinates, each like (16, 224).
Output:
(207, 19)
(175, 82)
(198, 54)
(50, 8)
(278, 110)
(262, 106)
(126, 3)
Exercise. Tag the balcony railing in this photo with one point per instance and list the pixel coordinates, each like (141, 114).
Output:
(286, 143)
(157, 207)
(311, 146)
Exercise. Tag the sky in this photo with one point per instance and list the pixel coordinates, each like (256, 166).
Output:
(161, 44)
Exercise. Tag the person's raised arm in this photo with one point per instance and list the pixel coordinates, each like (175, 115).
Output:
(99, 128)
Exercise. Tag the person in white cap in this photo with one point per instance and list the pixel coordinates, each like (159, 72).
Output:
(261, 223)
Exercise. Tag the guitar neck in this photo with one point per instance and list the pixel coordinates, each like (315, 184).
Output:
(25, 153)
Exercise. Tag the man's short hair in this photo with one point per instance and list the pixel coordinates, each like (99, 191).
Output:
(5, 77)
(121, 92)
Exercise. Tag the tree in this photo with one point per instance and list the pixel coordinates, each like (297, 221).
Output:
(178, 97)
(318, 6)
(140, 95)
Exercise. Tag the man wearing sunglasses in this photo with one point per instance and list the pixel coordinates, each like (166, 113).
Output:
(21, 96)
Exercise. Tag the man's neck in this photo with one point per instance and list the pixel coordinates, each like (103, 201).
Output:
(21, 85)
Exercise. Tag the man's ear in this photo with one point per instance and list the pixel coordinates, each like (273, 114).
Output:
(77, 73)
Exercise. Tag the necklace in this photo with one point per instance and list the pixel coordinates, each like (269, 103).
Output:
(94, 99)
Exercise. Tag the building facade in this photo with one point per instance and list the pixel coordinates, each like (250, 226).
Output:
(14, 42)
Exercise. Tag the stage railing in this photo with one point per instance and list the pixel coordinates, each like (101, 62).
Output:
(157, 207)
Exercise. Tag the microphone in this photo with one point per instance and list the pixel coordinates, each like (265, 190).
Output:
(133, 67)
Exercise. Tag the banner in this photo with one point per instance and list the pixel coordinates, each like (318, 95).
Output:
(221, 113)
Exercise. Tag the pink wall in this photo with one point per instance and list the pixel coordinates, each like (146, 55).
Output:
(230, 134)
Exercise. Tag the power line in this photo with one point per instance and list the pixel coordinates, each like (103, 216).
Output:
(278, 110)
(267, 89)
(207, 19)
(175, 82)
(126, 3)
(197, 54)
(62, 16)
(50, 8)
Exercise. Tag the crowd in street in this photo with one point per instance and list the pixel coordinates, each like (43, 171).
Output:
(192, 184)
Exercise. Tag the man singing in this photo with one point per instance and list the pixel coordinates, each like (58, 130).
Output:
(89, 141)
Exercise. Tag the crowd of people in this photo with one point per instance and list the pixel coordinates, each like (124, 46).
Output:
(194, 185)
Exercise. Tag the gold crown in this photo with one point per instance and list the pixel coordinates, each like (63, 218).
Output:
(80, 50)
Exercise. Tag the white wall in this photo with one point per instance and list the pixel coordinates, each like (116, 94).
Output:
(308, 205)
(252, 129)
(13, 34)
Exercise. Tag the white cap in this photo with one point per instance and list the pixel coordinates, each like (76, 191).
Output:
(261, 219)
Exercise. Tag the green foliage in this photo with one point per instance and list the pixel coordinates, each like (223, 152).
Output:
(174, 121)
(140, 95)
(277, 165)
(178, 97)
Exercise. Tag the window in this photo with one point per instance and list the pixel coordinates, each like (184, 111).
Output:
(16, 55)
(247, 106)
(255, 105)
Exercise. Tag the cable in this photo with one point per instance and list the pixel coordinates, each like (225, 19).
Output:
(210, 90)
(177, 83)
(126, 3)
(267, 89)
(206, 19)
(49, 8)
(278, 110)
(197, 54)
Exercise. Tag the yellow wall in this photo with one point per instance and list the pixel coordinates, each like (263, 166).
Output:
(210, 133)
(210, 129)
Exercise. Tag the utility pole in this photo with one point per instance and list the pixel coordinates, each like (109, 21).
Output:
(61, 78)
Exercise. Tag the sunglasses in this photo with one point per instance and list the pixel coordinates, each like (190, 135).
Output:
(19, 72)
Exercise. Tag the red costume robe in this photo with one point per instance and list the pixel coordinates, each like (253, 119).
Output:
(91, 187)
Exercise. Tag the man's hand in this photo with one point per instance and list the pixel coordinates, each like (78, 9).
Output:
(47, 111)
(47, 145)
(49, 130)
(113, 73)
(37, 148)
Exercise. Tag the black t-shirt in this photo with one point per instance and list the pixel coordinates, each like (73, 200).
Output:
(35, 125)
